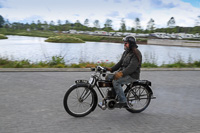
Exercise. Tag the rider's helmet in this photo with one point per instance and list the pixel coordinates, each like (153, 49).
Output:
(131, 40)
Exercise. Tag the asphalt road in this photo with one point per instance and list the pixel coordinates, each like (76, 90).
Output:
(32, 102)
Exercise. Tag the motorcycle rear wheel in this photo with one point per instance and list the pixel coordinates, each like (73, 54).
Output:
(138, 98)
(79, 100)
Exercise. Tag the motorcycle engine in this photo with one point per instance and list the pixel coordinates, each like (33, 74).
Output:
(111, 94)
(111, 104)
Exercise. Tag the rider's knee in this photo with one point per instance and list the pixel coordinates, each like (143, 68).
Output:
(116, 82)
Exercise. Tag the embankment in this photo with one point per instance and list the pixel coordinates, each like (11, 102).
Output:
(167, 42)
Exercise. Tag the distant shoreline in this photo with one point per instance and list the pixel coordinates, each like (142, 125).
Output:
(159, 42)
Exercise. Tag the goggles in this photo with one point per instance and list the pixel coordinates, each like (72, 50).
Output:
(129, 38)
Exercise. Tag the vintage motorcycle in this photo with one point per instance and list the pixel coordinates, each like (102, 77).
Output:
(81, 98)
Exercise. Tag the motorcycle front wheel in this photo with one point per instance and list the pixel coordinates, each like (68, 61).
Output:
(138, 98)
(79, 100)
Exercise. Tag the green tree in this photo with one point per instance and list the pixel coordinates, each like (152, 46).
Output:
(33, 25)
(59, 25)
(123, 26)
(67, 22)
(67, 25)
(27, 26)
(18, 26)
(171, 23)
(197, 23)
(86, 22)
(52, 26)
(133, 30)
(137, 25)
(108, 25)
(96, 24)
(59, 22)
(39, 25)
(7, 24)
(78, 25)
(45, 25)
(151, 25)
(196, 29)
(2, 21)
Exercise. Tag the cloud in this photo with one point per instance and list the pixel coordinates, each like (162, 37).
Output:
(33, 18)
(117, 1)
(160, 10)
(77, 15)
(2, 3)
(113, 14)
(49, 9)
(133, 15)
(133, 0)
(194, 3)
(160, 4)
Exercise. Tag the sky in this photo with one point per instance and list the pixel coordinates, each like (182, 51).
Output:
(185, 12)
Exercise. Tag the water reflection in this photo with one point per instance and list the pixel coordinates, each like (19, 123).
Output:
(35, 50)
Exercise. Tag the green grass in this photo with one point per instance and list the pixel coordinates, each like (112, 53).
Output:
(36, 34)
(64, 39)
(193, 42)
(3, 36)
(27, 33)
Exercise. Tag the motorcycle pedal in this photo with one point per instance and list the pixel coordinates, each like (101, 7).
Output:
(103, 107)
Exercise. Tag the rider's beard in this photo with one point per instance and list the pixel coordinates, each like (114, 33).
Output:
(126, 48)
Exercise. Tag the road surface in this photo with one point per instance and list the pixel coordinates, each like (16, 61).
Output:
(32, 102)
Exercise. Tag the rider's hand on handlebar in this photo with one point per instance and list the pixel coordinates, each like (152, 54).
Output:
(109, 69)
(118, 75)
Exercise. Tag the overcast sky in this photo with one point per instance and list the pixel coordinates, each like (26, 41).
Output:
(185, 12)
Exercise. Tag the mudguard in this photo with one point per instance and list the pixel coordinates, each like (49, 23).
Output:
(144, 83)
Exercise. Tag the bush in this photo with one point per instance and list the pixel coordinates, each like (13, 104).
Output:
(197, 64)
(22, 64)
(149, 65)
(4, 61)
(57, 60)
(74, 66)
(60, 66)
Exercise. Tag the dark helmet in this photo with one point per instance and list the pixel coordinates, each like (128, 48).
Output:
(131, 40)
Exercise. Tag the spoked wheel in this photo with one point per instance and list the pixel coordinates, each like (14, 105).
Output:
(79, 100)
(138, 99)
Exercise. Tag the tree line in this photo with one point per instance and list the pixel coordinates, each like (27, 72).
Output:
(59, 26)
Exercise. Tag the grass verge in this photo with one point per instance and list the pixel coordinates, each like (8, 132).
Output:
(58, 62)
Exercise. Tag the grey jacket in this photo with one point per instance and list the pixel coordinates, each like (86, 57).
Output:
(129, 64)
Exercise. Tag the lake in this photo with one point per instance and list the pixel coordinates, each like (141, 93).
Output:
(35, 50)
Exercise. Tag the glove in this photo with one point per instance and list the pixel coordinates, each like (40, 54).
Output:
(118, 75)
(109, 69)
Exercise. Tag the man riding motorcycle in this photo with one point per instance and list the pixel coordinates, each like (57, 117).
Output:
(128, 69)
